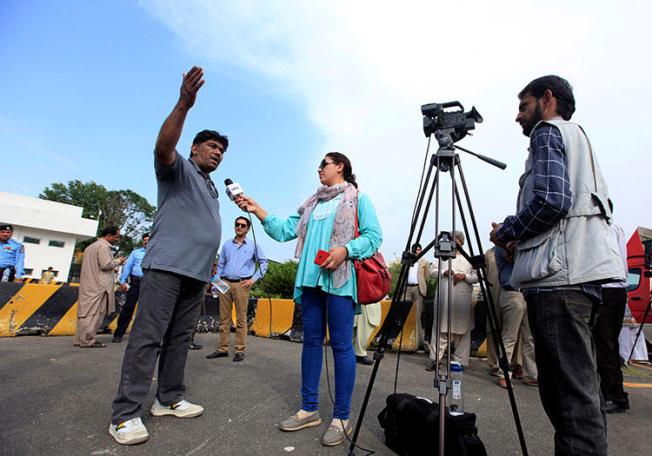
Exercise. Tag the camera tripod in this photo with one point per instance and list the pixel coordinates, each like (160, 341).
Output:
(445, 160)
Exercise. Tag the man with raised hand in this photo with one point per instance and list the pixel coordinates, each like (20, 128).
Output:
(176, 269)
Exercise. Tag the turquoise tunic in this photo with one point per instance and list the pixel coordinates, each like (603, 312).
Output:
(318, 235)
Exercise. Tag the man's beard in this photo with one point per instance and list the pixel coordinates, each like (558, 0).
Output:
(537, 116)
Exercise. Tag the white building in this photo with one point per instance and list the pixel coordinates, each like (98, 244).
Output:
(48, 230)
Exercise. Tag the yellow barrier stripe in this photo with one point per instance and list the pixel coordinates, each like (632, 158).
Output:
(282, 311)
(638, 385)
(114, 323)
(482, 349)
(22, 305)
(68, 324)
(409, 342)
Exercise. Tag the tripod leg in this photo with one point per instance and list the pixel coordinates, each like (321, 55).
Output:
(503, 362)
(363, 408)
(640, 330)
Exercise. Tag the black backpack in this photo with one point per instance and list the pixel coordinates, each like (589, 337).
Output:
(412, 428)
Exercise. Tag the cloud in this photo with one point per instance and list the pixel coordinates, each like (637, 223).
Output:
(363, 68)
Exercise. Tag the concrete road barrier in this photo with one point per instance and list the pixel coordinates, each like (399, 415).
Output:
(28, 308)
(51, 310)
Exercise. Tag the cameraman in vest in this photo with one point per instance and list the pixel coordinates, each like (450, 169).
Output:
(563, 250)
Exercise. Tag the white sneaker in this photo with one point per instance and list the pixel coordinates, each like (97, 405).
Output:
(129, 432)
(181, 409)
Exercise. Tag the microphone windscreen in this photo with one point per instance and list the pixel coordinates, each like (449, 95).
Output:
(228, 181)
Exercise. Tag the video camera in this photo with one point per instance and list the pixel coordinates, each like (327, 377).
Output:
(457, 123)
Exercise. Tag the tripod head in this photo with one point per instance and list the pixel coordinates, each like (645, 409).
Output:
(454, 124)
(449, 127)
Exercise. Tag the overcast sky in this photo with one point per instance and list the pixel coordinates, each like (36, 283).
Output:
(85, 86)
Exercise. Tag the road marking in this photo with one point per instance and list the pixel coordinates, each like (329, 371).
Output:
(638, 385)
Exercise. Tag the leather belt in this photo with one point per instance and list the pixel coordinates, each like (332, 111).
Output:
(237, 280)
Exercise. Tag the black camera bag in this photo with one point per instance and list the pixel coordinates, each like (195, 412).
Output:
(412, 428)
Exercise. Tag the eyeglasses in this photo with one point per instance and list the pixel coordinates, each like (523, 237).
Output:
(324, 164)
(241, 225)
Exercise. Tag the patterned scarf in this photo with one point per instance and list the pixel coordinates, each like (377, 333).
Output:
(343, 226)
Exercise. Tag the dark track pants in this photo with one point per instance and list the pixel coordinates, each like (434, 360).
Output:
(128, 309)
(605, 334)
(167, 314)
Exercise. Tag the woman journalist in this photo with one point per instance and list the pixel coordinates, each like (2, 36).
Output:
(326, 293)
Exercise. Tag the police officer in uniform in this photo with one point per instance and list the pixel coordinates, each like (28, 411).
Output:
(12, 255)
(132, 272)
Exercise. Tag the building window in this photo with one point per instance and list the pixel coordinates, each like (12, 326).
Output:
(28, 271)
(56, 243)
(31, 240)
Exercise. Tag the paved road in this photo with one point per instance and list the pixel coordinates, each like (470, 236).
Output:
(57, 400)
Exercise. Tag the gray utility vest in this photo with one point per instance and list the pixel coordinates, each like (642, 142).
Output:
(580, 247)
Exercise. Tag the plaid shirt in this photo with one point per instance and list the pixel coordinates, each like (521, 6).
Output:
(552, 193)
(551, 202)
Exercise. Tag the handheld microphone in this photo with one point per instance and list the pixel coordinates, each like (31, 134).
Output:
(233, 189)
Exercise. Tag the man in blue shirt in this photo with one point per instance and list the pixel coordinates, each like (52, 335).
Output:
(12, 255)
(132, 272)
(237, 267)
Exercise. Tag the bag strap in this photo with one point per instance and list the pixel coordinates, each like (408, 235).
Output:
(595, 180)
(356, 234)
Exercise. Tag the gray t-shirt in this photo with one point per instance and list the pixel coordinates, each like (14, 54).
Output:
(187, 227)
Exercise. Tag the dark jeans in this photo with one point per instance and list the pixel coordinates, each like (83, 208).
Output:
(605, 334)
(128, 309)
(167, 313)
(568, 382)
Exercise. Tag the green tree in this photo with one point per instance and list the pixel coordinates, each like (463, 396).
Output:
(278, 281)
(394, 269)
(131, 212)
(124, 208)
(88, 195)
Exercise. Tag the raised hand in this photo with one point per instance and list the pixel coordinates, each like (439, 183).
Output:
(192, 82)
(170, 132)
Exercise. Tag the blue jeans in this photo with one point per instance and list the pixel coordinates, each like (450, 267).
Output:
(316, 307)
(568, 381)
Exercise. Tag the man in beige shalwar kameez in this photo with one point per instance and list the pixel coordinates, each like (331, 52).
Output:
(363, 327)
(462, 318)
(96, 293)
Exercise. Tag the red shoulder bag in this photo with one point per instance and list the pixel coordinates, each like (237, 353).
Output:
(373, 277)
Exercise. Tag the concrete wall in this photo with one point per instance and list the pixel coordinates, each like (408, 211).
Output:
(47, 221)
(39, 257)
